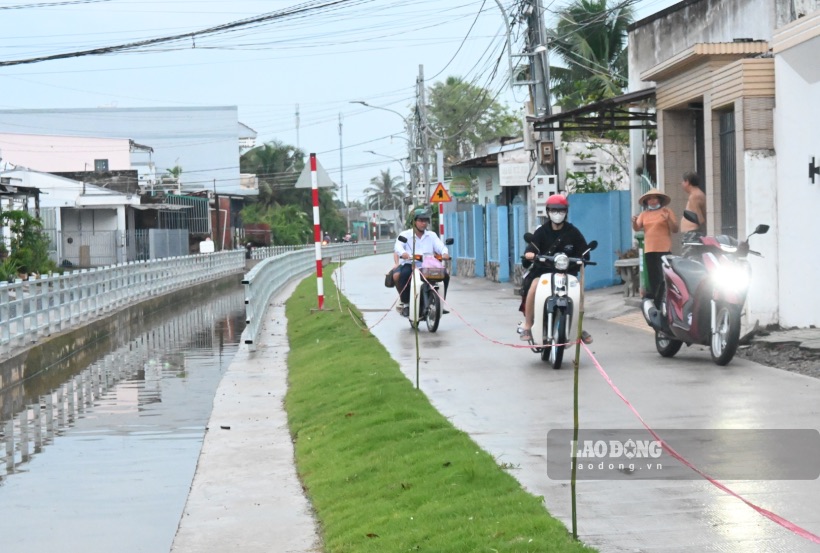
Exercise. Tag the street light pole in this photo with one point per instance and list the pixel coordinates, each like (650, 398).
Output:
(400, 211)
(403, 170)
(408, 129)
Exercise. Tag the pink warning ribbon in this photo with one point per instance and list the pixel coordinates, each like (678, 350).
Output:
(802, 532)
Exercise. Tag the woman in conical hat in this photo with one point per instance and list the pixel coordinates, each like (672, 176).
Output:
(658, 223)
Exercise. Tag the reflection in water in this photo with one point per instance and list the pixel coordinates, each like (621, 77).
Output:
(107, 455)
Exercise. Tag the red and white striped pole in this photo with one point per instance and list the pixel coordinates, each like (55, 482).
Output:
(374, 233)
(317, 230)
(441, 220)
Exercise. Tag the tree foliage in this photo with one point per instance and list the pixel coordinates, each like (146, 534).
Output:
(462, 116)
(590, 39)
(28, 251)
(287, 210)
(385, 191)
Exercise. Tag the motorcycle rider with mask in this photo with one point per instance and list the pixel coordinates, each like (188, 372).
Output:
(558, 235)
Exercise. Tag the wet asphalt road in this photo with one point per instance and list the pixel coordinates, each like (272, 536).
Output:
(507, 399)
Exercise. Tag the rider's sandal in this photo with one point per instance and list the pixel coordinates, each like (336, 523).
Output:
(525, 333)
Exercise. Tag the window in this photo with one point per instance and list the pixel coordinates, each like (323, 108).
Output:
(100, 165)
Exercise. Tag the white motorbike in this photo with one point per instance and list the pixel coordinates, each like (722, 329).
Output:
(557, 300)
(426, 285)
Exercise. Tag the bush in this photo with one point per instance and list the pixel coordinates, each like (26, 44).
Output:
(29, 246)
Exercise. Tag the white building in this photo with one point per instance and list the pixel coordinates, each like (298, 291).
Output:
(736, 88)
(203, 141)
(74, 208)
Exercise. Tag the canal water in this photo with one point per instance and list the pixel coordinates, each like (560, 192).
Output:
(102, 460)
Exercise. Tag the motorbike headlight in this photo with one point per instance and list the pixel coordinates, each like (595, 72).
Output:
(731, 277)
(561, 262)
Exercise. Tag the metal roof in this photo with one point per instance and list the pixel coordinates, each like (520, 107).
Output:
(604, 115)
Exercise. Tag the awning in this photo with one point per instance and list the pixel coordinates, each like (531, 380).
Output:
(161, 207)
(7, 189)
(605, 115)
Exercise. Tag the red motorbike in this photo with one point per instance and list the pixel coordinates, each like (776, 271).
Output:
(703, 295)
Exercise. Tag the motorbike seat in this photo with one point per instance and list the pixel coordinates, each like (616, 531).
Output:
(689, 270)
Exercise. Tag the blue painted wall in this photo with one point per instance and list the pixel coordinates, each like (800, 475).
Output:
(604, 217)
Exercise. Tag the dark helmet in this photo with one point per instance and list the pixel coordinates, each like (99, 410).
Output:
(557, 202)
(421, 213)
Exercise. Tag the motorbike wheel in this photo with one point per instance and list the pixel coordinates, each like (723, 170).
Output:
(433, 313)
(666, 346)
(554, 353)
(726, 336)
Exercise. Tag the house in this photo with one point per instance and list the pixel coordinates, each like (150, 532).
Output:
(736, 84)
(115, 163)
(86, 223)
(506, 172)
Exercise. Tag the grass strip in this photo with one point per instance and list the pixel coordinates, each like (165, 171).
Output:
(385, 471)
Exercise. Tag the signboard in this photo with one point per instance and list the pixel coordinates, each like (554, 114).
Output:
(322, 178)
(440, 195)
(513, 174)
(460, 187)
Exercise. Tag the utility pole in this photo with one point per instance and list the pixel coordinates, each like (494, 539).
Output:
(538, 51)
(342, 174)
(422, 128)
(411, 146)
(297, 126)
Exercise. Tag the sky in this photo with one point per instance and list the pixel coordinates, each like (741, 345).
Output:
(319, 55)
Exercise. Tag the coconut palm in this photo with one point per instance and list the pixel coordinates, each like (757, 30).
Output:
(590, 39)
(384, 191)
(277, 166)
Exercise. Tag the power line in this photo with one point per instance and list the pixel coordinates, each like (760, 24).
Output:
(298, 11)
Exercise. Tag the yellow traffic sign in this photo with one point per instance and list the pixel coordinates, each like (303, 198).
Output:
(440, 195)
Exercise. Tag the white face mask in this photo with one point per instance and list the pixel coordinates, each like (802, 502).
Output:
(557, 217)
(653, 207)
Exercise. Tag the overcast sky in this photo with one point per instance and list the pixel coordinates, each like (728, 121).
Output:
(322, 59)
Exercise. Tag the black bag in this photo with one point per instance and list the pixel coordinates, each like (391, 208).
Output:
(388, 279)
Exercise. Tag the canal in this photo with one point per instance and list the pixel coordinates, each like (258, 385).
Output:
(99, 450)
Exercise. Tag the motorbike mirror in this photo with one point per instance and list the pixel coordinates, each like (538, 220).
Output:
(402, 239)
(449, 241)
(527, 237)
(761, 229)
(691, 216)
(592, 245)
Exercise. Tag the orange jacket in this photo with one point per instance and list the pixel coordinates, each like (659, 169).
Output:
(658, 227)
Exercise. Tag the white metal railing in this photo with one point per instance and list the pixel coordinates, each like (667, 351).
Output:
(36, 308)
(271, 251)
(271, 275)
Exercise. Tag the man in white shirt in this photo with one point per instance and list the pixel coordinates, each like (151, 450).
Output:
(426, 242)
(206, 246)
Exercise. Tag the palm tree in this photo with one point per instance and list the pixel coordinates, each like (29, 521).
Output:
(277, 166)
(384, 191)
(590, 39)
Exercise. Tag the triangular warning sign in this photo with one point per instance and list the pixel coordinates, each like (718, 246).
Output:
(322, 178)
(440, 195)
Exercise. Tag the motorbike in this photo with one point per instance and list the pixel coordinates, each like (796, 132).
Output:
(703, 295)
(557, 299)
(425, 285)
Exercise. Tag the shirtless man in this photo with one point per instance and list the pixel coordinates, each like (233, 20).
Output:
(697, 204)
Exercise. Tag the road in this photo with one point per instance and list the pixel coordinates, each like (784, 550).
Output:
(475, 373)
